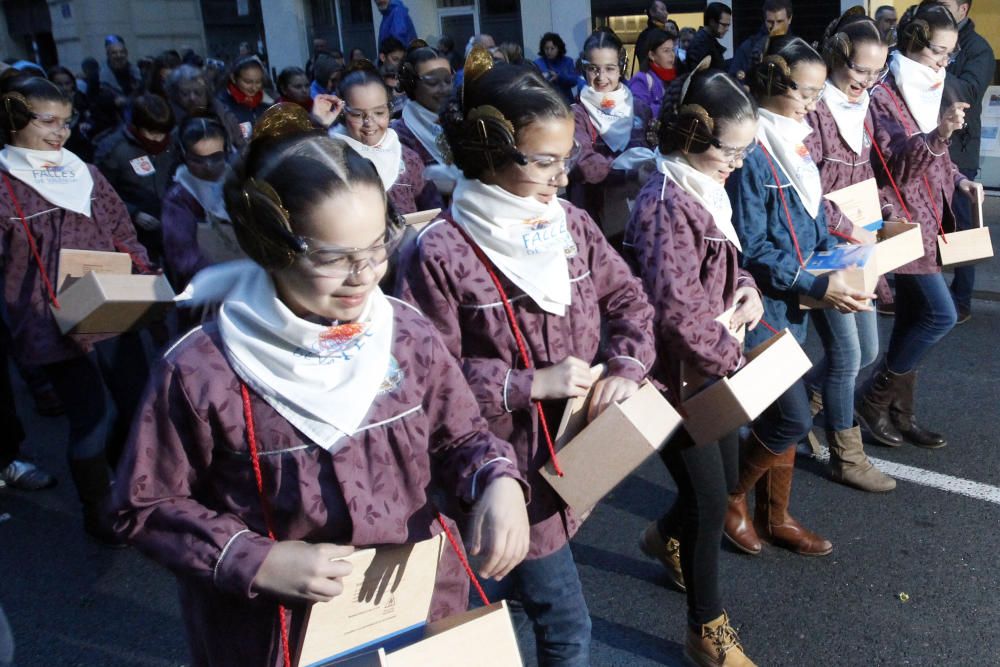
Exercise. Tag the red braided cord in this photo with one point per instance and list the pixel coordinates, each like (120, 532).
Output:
(31, 242)
(846, 237)
(522, 348)
(266, 506)
(464, 560)
(784, 203)
(892, 180)
(927, 184)
(768, 326)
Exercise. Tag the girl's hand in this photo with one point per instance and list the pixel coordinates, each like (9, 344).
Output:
(607, 391)
(327, 108)
(749, 309)
(500, 528)
(305, 572)
(972, 190)
(953, 118)
(844, 298)
(567, 379)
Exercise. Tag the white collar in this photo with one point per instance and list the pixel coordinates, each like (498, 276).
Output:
(706, 191)
(921, 88)
(784, 139)
(849, 116)
(611, 113)
(59, 177)
(387, 155)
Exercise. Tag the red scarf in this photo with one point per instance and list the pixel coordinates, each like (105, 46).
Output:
(666, 75)
(307, 105)
(243, 99)
(150, 146)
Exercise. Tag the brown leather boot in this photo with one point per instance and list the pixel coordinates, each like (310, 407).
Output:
(771, 518)
(871, 408)
(901, 411)
(754, 462)
(717, 645)
(667, 551)
(850, 466)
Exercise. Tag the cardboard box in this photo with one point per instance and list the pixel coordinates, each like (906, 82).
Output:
(859, 203)
(725, 405)
(596, 457)
(419, 219)
(386, 598)
(899, 243)
(112, 303)
(483, 637)
(966, 247)
(691, 380)
(855, 262)
(78, 263)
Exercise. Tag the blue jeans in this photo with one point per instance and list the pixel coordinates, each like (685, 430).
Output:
(850, 343)
(925, 312)
(786, 421)
(550, 595)
(965, 276)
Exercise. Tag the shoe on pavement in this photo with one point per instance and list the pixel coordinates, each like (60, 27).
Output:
(717, 645)
(26, 476)
(668, 552)
(964, 315)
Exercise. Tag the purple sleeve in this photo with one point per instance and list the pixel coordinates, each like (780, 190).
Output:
(908, 156)
(109, 210)
(180, 238)
(642, 90)
(169, 449)
(591, 166)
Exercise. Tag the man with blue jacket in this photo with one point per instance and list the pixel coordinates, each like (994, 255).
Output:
(396, 22)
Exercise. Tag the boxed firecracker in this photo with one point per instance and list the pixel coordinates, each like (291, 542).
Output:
(725, 405)
(856, 263)
(99, 294)
(968, 246)
(381, 617)
(596, 457)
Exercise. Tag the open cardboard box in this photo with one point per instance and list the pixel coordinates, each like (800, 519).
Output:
(966, 247)
(483, 637)
(725, 405)
(899, 243)
(692, 380)
(857, 263)
(596, 457)
(99, 294)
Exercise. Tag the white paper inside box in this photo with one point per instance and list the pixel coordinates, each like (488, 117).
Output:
(111, 303)
(599, 455)
(722, 407)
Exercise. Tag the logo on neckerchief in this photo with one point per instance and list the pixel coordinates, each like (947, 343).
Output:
(338, 343)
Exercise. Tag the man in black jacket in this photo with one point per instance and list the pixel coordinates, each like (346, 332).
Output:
(718, 18)
(657, 16)
(777, 21)
(968, 77)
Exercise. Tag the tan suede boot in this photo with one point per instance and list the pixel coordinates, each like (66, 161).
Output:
(667, 551)
(717, 645)
(850, 466)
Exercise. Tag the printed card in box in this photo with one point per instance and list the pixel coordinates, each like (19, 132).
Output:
(859, 203)
(725, 405)
(856, 262)
(483, 637)
(966, 247)
(112, 303)
(597, 456)
(899, 243)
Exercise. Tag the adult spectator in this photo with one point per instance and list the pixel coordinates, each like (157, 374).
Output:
(446, 47)
(968, 77)
(357, 54)
(118, 74)
(718, 19)
(885, 19)
(648, 85)
(244, 50)
(656, 19)
(137, 159)
(189, 94)
(293, 86)
(557, 68)
(79, 141)
(777, 21)
(396, 22)
(391, 51)
(319, 47)
(243, 95)
(484, 40)
(155, 80)
(326, 75)
(683, 42)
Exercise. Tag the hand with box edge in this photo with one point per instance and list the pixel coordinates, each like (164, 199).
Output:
(499, 528)
(608, 390)
(301, 571)
(570, 378)
(749, 311)
(972, 190)
(844, 298)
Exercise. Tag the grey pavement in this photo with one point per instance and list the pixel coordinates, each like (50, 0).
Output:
(72, 603)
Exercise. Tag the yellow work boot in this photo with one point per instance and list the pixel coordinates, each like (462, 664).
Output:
(717, 645)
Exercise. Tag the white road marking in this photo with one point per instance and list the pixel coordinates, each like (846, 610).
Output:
(934, 480)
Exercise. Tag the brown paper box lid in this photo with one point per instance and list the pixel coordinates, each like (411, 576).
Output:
(388, 591)
(78, 263)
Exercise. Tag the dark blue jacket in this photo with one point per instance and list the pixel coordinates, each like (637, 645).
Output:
(565, 71)
(768, 249)
(967, 80)
(396, 22)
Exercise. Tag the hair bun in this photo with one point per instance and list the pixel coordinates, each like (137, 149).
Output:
(361, 65)
(285, 119)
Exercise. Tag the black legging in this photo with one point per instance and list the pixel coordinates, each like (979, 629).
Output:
(704, 475)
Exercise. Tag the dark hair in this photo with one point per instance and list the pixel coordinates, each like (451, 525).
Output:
(773, 74)
(778, 5)
(151, 112)
(918, 23)
(245, 62)
(166, 60)
(555, 39)
(198, 127)
(711, 100)
(286, 75)
(325, 68)
(416, 55)
(18, 93)
(652, 6)
(512, 51)
(390, 45)
(656, 38)
(59, 69)
(604, 38)
(714, 11)
(446, 42)
(479, 140)
(361, 73)
(884, 8)
(280, 181)
(844, 34)
(113, 39)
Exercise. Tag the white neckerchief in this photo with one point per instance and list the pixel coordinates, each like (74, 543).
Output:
(207, 193)
(527, 240)
(59, 177)
(317, 377)
(425, 127)
(387, 155)
(611, 113)
(849, 116)
(784, 139)
(921, 88)
(706, 191)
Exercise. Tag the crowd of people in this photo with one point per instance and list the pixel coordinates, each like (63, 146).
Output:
(332, 380)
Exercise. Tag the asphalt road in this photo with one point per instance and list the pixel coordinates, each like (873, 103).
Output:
(71, 603)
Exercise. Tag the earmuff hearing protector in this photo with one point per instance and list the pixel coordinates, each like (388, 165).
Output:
(17, 110)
